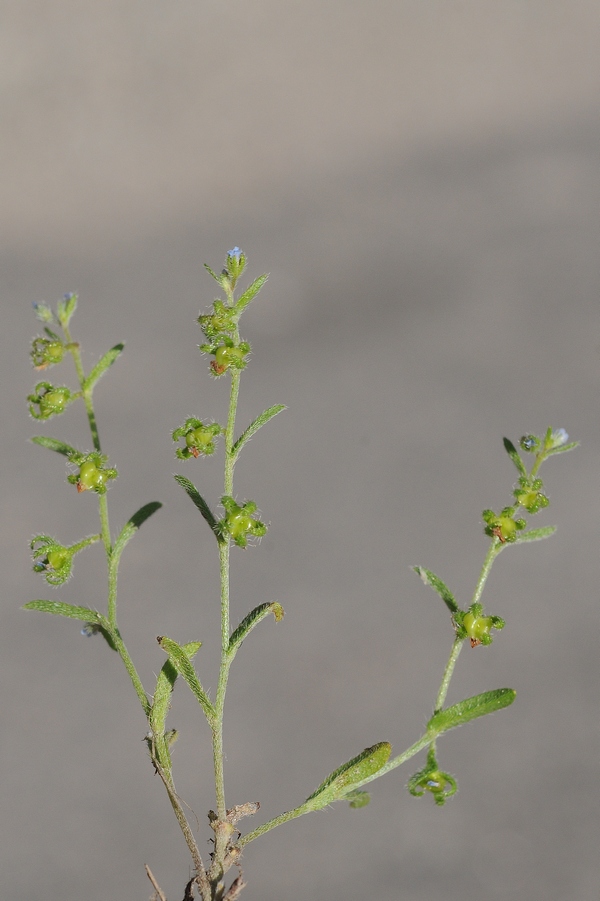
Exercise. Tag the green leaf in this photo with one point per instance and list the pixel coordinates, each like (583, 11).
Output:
(161, 703)
(250, 292)
(217, 278)
(535, 534)
(73, 612)
(51, 334)
(54, 444)
(252, 620)
(514, 456)
(199, 501)
(341, 781)
(470, 709)
(563, 448)
(102, 365)
(181, 661)
(70, 610)
(254, 427)
(133, 524)
(429, 578)
(144, 513)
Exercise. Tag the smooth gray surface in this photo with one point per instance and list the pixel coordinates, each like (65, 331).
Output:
(422, 181)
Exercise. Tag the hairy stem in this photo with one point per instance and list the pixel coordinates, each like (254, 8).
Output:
(224, 551)
(185, 828)
(456, 648)
(133, 674)
(307, 807)
(494, 549)
(87, 396)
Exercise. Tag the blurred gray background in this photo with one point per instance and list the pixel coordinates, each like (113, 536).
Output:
(422, 181)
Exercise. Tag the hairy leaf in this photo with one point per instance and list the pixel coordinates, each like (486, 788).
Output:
(254, 427)
(514, 456)
(54, 444)
(470, 709)
(341, 781)
(252, 620)
(250, 292)
(102, 365)
(133, 524)
(181, 661)
(429, 578)
(161, 703)
(61, 609)
(199, 501)
(535, 534)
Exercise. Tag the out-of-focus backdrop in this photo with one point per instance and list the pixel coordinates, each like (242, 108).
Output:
(422, 181)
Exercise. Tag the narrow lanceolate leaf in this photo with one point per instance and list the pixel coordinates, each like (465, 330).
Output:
(429, 578)
(252, 620)
(51, 334)
(70, 610)
(514, 456)
(161, 703)
(102, 365)
(133, 524)
(98, 622)
(181, 661)
(254, 427)
(470, 709)
(199, 501)
(535, 534)
(351, 774)
(144, 513)
(563, 448)
(250, 292)
(54, 444)
(217, 278)
(164, 687)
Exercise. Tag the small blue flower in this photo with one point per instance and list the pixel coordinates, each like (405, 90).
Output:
(235, 253)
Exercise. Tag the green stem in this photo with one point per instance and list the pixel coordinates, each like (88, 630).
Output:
(87, 395)
(115, 635)
(104, 526)
(89, 406)
(113, 564)
(224, 551)
(494, 549)
(133, 675)
(85, 542)
(105, 534)
(217, 722)
(307, 807)
(230, 430)
(184, 825)
(456, 648)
